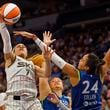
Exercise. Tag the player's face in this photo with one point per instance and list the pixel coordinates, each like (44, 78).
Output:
(20, 50)
(56, 84)
(83, 63)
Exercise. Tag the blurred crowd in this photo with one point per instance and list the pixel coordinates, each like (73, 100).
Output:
(32, 8)
(71, 46)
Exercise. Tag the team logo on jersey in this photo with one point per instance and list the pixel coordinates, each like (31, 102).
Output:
(85, 104)
(25, 64)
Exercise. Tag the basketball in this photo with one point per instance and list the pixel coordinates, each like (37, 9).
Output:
(11, 13)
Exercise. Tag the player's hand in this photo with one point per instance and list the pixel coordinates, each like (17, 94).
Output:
(25, 34)
(52, 97)
(1, 18)
(47, 53)
(47, 38)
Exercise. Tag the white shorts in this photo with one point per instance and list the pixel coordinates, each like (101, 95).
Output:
(33, 104)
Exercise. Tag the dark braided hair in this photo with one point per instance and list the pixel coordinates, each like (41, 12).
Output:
(94, 64)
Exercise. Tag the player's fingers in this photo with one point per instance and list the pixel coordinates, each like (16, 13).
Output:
(50, 35)
(43, 34)
(16, 33)
(51, 52)
(48, 49)
(44, 49)
(29, 34)
(53, 40)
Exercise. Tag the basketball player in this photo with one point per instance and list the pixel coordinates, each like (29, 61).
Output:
(51, 97)
(51, 92)
(21, 83)
(86, 80)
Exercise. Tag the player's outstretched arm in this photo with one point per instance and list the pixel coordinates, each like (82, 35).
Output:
(44, 87)
(44, 73)
(66, 67)
(25, 34)
(46, 70)
(7, 49)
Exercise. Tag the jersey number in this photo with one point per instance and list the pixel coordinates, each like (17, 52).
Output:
(87, 90)
(27, 70)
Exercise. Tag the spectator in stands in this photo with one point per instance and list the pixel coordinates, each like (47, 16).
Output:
(56, 72)
(108, 104)
(103, 103)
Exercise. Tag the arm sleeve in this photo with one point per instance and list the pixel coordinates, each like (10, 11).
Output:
(55, 58)
(6, 38)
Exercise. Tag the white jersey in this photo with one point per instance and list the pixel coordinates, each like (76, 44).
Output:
(2, 98)
(21, 78)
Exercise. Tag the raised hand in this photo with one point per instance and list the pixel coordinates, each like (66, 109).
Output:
(47, 53)
(47, 38)
(25, 34)
(52, 97)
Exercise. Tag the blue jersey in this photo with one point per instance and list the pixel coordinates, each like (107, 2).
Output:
(47, 105)
(86, 95)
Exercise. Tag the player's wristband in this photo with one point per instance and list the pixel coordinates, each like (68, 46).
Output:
(40, 44)
(58, 60)
(6, 40)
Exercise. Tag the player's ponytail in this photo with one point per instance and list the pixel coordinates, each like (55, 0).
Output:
(94, 64)
(98, 66)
